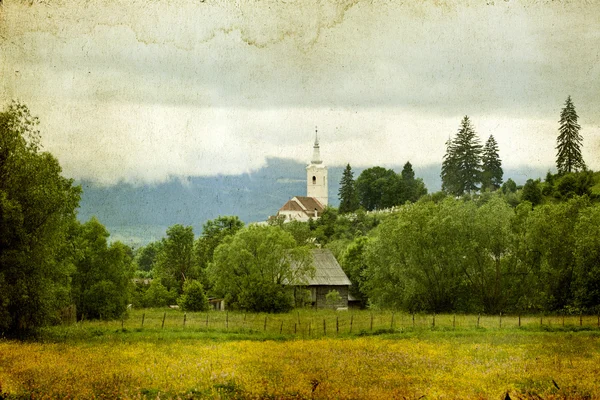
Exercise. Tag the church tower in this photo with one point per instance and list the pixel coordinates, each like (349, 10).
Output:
(316, 175)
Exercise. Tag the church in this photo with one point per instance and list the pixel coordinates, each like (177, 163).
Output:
(303, 208)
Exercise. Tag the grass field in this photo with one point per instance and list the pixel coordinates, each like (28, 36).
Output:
(237, 357)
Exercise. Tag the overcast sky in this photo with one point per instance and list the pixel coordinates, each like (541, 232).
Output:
(143, 90)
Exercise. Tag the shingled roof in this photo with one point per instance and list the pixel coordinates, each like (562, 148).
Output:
(327, 270)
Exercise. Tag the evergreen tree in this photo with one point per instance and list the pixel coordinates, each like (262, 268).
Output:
(491, 177)
(449, 169)
(568, 158)
(347, 193)
(461, 169)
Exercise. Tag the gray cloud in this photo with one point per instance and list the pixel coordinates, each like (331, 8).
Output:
(112, 77)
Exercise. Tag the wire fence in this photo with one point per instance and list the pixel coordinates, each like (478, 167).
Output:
(304, 324)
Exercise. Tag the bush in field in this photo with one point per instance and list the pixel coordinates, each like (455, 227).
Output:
(332, 298)
(158, 296)
(193, 297)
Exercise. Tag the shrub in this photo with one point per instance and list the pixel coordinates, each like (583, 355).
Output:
(193, 297)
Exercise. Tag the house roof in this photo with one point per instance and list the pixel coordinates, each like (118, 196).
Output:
(327, 270)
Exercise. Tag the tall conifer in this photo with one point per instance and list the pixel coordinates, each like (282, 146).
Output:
(347, 193)
(491, 177)
(461, 169)
(569, 158)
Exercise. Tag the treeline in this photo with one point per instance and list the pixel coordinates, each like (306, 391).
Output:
(50, 264)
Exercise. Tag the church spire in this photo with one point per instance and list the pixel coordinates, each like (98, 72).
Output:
(316, 158)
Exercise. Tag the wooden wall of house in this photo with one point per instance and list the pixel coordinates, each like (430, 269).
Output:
(320, 300)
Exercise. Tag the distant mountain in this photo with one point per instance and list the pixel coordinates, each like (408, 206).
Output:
(139, 214)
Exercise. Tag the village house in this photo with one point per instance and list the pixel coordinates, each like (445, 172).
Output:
(329, 276)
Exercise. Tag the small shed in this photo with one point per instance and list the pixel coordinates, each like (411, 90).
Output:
(329, 276)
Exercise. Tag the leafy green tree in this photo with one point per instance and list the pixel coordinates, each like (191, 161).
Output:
(300, 231)
(147, 255)
(213, 233)
(532, 192)
(101, 284)
(157, 295)
(175, 262)
(509, 186)
(587, 259)
(491, 176)
(461, 169)
(347, 193)
(193, 297)
(378, 188)
(353, 261)
(569, 158)
(37, 208)
(551, 242)
(254, 269)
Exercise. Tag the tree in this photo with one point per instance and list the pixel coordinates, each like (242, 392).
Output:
(193, 297)
(347, 193)
(175, 261)
(255, 269)
(491, 177)
(569, 158)
(509, 186)
(378, 188)
(411, 189)
(37, 209)
(450, 169)
(532, 192)
(213, 233)
(461, 169)
(354, 264)
(146, 256)
(101, 283)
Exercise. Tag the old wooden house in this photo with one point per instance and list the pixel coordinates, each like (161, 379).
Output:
(328, 277)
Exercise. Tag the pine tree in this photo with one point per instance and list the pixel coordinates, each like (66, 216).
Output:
(408, 184)
(491, 177)
(449, 169)
(568, 158)
(347, 193)
(461, 169)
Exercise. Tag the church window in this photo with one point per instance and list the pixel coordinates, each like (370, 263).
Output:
(314, 180)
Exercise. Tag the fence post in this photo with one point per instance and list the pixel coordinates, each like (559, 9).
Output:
(392, 324)
(184, 318)
(433, 322)
(337, 325)
(580, 320)
(143, 317)
(324, 328)
(454, 322)
(371, 321)
(500, 320)
(163, 321)
(265, 326)
(207, 320)
(413, 319)
(519, 320)
(227, 320)
(309, 326)
(295, 328)
(541, 320)
(478, 317)
(122, 323)
(352, 320)
(281, 327)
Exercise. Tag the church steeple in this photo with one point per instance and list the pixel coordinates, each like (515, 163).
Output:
(316, 175)
(316, 158)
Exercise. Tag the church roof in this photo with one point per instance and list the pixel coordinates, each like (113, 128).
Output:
(303, 203)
